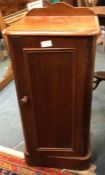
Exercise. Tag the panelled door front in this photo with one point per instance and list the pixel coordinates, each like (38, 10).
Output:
(51, 83)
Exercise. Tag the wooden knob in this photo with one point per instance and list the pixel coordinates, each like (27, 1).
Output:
(24, 100)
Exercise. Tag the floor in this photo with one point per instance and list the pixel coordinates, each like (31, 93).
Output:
(98, 117)
(11, 134)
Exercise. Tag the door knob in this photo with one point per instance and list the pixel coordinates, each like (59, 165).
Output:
(24, 100)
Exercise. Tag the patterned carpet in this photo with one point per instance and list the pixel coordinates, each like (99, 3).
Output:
(13, 163)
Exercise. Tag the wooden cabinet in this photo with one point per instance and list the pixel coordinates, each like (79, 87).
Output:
(52, 51)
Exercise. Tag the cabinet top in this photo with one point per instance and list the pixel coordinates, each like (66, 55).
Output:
(57, 19)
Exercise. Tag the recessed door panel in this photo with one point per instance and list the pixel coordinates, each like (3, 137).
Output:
(52, 80)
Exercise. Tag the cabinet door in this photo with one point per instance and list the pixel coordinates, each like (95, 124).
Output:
(51, 84)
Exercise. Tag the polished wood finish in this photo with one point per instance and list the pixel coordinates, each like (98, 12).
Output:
(54, 84)
(36, 22)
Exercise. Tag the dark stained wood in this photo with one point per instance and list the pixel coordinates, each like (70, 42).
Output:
(54, 85)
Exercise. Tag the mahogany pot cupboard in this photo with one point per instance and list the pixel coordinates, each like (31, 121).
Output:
(53, 51)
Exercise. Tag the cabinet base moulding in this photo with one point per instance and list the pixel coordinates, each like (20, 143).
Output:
(76, 163)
